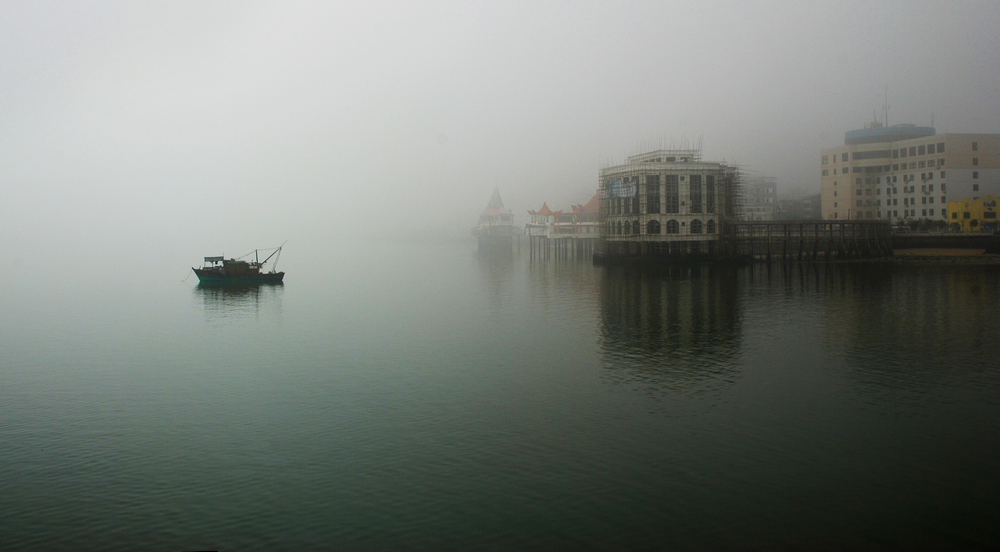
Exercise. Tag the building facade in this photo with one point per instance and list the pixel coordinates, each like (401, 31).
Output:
(761, 202)
(973, 215)
(580, 221)
(666, 201)
(906, 172)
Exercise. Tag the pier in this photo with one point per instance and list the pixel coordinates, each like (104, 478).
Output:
(784, 241)
(807, 240)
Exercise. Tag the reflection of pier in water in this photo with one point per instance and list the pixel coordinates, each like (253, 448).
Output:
(674, 327)
(227, 301)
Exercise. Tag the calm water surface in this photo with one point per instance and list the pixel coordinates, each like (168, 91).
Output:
(414, 396)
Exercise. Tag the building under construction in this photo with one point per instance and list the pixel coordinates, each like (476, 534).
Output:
(667, 203)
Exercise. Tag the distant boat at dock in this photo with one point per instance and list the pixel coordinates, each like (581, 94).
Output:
(220, 270)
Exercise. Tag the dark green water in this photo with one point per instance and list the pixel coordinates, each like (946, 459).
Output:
(415, 397)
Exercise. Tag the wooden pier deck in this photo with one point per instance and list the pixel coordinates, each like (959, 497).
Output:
(807, 240)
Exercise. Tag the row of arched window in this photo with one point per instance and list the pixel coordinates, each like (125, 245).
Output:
(626, 228)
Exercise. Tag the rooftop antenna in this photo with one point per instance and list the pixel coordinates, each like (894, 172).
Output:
(885, 108)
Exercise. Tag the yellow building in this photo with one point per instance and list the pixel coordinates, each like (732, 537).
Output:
(973, 215)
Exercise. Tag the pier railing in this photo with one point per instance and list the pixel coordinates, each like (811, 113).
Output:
(808, 240)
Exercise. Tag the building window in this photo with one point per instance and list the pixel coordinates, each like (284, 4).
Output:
(921, 150)
(895, 154)
(635, 227)
(966, 215)
(695, 187)
(843, 157)
(672, 200)
(942, 176)
(954, 215)
(858, 182)
(930, 149)
(653, 194)
(710, 227)
(902, 152)
(825, 159)
(895, 167)
(653, 227)
(826, 172)
(940, 147)
(913, 151)
(990, 215)
(975, 174)
(834, 204)
(673, 227)
(975, 146)
(975, 161)
(975, 187)
(696, 226)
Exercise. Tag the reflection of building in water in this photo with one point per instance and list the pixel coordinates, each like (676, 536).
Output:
(676, 326)
(239, 301)
(910, 329)
(497, 272)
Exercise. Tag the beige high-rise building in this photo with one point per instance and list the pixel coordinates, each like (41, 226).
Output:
(906, 172)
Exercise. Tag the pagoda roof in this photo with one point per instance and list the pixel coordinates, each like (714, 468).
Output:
(592, 206)
(545, 211)
(495, 206)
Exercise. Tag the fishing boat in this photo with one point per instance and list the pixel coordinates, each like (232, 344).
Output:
(220, 270)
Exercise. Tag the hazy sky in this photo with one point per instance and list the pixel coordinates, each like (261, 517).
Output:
(187, 125)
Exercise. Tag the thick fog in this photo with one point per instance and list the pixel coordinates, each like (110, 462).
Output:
(185, 129)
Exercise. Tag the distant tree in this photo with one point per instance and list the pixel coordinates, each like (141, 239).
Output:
(973, 223)
(956, 227)
(913, 224)
(940, 225)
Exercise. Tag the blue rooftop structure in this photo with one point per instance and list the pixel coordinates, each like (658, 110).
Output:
(886, 134)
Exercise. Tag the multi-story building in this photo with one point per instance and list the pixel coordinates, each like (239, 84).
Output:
(666, 201)
(761, 202)
(906, 172)
(799, 207)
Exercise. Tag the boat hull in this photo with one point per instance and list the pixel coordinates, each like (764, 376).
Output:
(215, 278)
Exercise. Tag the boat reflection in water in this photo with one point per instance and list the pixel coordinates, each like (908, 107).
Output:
(239, 301)
(671, 328)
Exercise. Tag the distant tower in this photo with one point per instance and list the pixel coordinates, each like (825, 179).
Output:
(495, 231)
